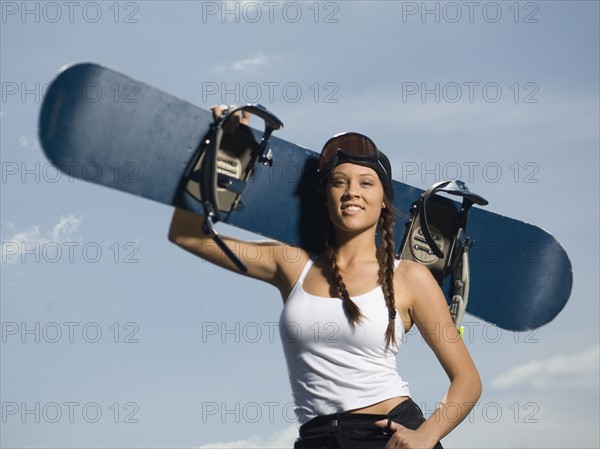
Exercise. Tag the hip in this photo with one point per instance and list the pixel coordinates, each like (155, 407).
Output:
(349, 430)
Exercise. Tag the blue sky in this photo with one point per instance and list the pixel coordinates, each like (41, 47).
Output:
(113, 337)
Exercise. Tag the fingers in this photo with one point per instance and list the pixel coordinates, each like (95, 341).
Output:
(240, 117)
(402, 437)
(245, 118)
(389, 426)
(218, 110)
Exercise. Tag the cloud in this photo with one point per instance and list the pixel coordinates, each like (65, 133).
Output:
(245, 64)
(26, 142)
(282, 439)
(32, 238)
(577, 370)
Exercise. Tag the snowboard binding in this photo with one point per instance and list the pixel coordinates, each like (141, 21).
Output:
(436, 237)
(222, 165)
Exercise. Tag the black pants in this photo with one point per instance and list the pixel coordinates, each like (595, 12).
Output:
(356, 430)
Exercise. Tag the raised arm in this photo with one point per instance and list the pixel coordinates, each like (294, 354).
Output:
(272, 262)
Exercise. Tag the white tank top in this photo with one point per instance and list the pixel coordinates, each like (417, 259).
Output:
(332, 366)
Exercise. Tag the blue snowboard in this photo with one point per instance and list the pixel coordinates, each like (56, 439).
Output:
(106, 128)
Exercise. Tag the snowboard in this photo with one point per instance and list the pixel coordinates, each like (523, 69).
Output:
(106, 128)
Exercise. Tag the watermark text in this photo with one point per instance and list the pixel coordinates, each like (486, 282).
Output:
(270, 12)
(70, 412)
(69, 332)
(70, 12)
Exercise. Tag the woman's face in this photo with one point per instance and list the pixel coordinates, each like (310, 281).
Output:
(354, 197)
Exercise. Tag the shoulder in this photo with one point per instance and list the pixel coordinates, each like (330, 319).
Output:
(416, 283)
(413, 272)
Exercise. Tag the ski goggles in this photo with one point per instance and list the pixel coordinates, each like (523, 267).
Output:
(358, 149)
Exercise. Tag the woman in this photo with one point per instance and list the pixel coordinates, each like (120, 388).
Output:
(347, 390)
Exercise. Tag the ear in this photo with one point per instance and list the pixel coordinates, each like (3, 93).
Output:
(383, 206)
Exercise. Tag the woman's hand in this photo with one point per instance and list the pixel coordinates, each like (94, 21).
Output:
(240, 117)
(405, 438)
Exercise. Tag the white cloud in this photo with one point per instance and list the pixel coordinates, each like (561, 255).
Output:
(577, 370)
(26, 142)
(245, 64)
(282, 439)
(528, 421)
(32, 238)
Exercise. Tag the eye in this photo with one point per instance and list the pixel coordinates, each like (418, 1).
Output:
(337, 182)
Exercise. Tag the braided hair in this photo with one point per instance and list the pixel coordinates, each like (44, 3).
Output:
(385, 258)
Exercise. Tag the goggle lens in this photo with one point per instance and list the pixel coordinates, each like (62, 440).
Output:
(352, 145)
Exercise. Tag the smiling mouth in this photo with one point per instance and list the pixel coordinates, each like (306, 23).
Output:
(352, 208)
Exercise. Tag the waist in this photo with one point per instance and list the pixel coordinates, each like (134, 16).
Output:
(381, 408)
(323, 423)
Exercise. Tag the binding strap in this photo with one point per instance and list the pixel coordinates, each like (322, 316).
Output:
(443, 246)
(454, 188)
(222, 165)
(462, 279)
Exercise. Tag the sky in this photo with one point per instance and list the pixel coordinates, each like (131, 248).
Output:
(113, 337)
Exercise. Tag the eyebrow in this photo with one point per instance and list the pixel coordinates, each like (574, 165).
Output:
(340, 173)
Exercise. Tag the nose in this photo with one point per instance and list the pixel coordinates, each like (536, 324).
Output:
(351, 190)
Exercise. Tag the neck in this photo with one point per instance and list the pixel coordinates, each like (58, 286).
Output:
(355, 247)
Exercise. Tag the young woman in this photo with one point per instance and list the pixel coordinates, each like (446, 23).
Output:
(346, 387)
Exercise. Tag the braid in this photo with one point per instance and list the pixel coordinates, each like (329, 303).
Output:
(386, 269)
(350, 308)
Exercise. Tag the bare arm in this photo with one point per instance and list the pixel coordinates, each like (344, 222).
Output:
(271, 262)
(428, 309)
(266, 261)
